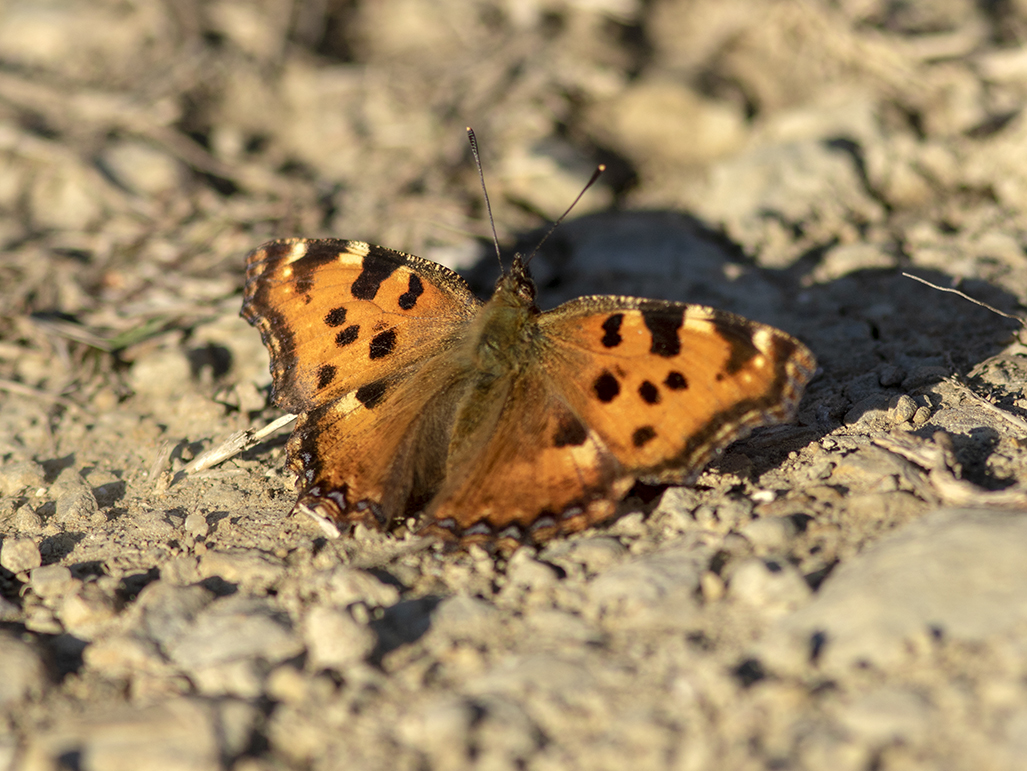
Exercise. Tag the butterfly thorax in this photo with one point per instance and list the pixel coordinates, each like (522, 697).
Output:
(506, 328)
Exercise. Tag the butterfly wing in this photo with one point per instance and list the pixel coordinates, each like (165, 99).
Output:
(527, 470)
(357, 335)
(340, 316)
(667, 385)
(618, 389)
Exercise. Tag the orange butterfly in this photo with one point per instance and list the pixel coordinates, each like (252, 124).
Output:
(497, 422)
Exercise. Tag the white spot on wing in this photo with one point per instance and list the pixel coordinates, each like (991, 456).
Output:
(355, 252)
(298, 250)
(699, 313)
(763, 339)
(348, 404)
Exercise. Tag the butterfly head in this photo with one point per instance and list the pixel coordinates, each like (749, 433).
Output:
(515, 285)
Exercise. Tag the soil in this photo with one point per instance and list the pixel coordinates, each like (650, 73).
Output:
(847, 591)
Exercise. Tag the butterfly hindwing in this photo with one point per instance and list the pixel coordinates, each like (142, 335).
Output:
(376, 460)
(528, 470)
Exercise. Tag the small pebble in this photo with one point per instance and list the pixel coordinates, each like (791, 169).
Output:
(903, 409)
(88, 612)
(16, 477)
(592, 554)
(19, 555)
(891, 375)
(712, 586)
(921, 416)
(770, 584)
(525, 571)
(50, 580)
(76, 505)
(334, 640)
(769, 534)
(196, 525)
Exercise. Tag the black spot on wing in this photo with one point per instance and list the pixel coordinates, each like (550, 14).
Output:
(570, 432)
(675, 381)
(643, 436)
(347, 335)
(611, 327)
(370, 395)
(375, 270)
(382, 344)
(415, 289)
(325, 375)
(336, 317)
(663, 324)
(650, 393)
(606, 387)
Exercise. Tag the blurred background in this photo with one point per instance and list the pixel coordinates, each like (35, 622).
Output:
(780, 158)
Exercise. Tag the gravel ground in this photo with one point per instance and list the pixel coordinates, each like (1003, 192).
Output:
(846, 592)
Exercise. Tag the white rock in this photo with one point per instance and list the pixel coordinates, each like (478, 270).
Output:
(177, 735)
(334, 640)
(51, 580)
(87, 612)
(22, 673)
(525, 571)
(960, 573)
(592, 554)
(344, 586)
(19, 555)
(887, 714)
(773, 585)
(141, 167)
(248, 568)
(165, 611)
(463, 618)
(235, 628)
(769, 534)
(660, 587)
(16, 477)
(196, 525)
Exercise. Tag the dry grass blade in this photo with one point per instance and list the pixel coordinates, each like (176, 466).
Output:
(232, 446)
(965, 296)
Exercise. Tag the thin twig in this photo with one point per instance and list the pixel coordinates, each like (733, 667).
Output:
(238, 442)
(965, 296)
(159, 476)
(21, 389)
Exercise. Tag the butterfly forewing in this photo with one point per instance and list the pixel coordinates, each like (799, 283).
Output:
(666, 385)
(338, 316)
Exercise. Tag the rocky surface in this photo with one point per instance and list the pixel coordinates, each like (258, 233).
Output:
(846, 592)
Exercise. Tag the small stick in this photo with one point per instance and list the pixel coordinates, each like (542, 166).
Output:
(159, 477)
(965, 296)
(238, 442)
(21, 389)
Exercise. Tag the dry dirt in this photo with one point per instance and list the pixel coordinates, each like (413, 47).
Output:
(846, 592)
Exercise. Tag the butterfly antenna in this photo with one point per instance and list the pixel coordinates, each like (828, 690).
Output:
(488, 205)
(595, 175)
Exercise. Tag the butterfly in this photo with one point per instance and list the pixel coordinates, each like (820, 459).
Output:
(495, 422)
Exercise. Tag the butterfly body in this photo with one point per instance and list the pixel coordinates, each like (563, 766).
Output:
(497, 422)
